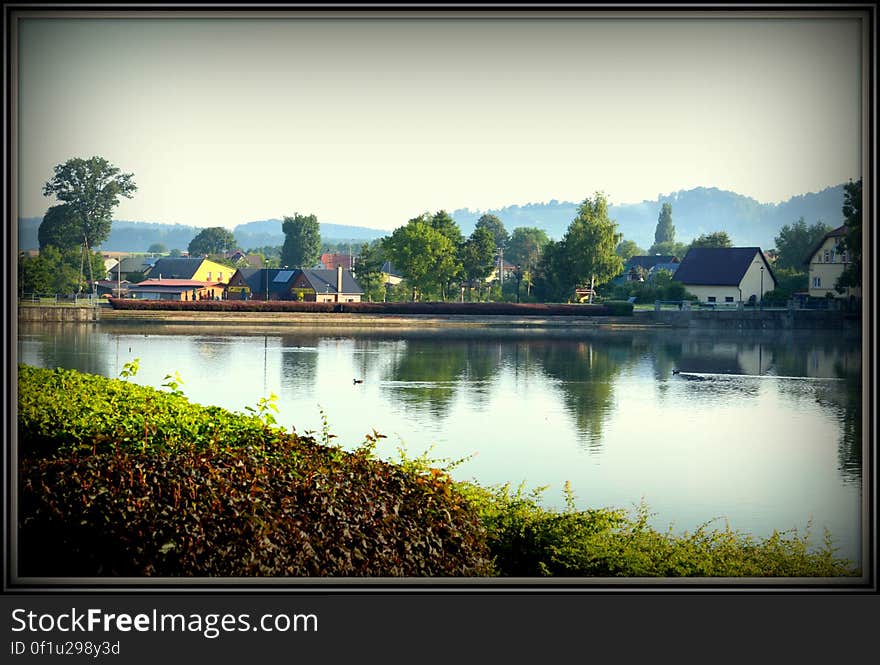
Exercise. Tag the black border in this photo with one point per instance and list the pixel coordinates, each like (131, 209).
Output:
(527, 587)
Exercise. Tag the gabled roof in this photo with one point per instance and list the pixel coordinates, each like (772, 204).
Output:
(717, 266)
(256, 279)
(839, 231)
(134, 264)
(176, 268)
(324, 281)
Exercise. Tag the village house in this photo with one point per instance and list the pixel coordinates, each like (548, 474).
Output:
(261, 284)
(327, 286)
(306, 285)
(726, 275)
(826, 263)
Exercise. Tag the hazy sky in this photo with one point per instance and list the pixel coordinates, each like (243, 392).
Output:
(372, 121)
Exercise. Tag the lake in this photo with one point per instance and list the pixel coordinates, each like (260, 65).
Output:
(761, 431)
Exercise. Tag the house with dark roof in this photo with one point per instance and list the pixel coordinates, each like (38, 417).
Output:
(301, 284)
(198, 269)
(826, 263)
(726, 275)
(327, 286)
(261, 284)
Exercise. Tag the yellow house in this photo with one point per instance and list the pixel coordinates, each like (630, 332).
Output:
(726, 275)
(827, 262)
(196, 269)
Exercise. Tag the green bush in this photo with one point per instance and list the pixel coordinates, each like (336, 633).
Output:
(528, 540)
(161, 487)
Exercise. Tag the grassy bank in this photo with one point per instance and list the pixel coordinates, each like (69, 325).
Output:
(128, 480)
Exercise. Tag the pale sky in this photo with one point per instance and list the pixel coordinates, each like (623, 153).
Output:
(371, 121)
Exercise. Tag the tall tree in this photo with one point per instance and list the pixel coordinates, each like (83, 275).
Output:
(852, 241)
(665, 231)
(716, 239)
(302, 241)
(426, 257)
(495, 226)
(590, 242)
(213, 240)
(477, 256)
(525, 249)
(91, 188)
(795, 241)
(60, 228)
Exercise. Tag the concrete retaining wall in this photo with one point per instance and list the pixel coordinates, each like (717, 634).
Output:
(794, 319)
(56, 314)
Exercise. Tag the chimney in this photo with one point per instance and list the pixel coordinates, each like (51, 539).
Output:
(338, 282)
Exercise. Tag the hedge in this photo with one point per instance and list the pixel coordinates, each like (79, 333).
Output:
(410, 308)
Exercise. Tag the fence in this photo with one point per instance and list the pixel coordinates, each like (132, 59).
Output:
(60, 299)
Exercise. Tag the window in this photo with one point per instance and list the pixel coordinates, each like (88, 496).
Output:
(817, 283)
(710, 299)
(730, 298)
(209, 276)
(827, 256)
(219, 276)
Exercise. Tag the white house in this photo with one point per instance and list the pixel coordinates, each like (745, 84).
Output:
(726, 275)
(826, 263)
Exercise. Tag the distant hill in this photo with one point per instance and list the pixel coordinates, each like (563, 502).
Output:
(694, 212)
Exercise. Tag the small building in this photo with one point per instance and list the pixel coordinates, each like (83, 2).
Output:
(327, 286)
(826, 263)
(726, 275)
(197, 269)
(175, 289)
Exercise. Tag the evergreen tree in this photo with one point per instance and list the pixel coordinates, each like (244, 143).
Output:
(665, 231)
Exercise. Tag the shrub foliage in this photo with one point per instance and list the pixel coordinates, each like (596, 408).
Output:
(118, 479)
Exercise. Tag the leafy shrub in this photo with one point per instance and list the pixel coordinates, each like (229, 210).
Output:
(528, 540)
(159, 486)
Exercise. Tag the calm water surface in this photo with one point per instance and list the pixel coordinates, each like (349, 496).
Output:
(759, 431)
